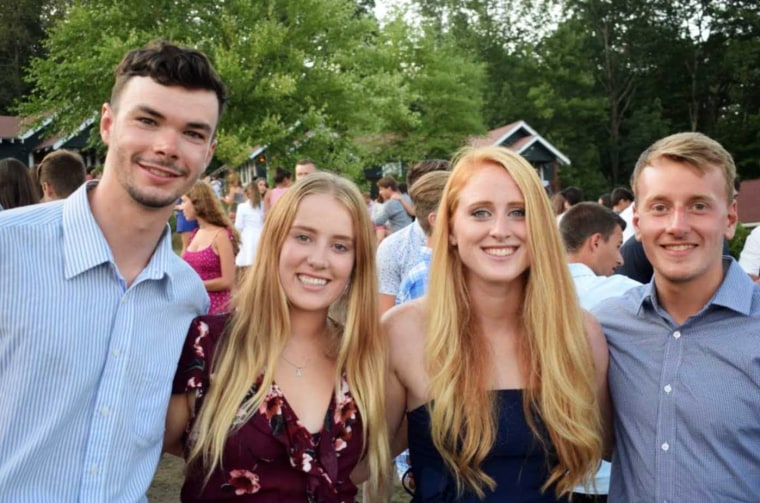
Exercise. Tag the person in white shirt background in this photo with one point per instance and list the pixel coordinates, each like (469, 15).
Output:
(592, 235)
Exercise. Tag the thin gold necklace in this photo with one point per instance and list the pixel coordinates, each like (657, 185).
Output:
(299, 368)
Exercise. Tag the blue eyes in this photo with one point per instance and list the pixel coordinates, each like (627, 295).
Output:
(339, 247)
(513, 213)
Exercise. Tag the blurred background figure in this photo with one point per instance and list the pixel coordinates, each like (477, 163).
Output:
(605, 200)
(304, 168)
(17, 187)
(621, 199)
(234, 196)
(61, 173)
(381, 230)
(281, 184)
(558, 204)
(263, 186)
(185, 227)
(235, 193)
(213, 245)
(249, 220)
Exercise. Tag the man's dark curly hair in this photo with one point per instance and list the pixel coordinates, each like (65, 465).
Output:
(169, 65)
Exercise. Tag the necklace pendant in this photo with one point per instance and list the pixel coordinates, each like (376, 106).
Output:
(299, 372)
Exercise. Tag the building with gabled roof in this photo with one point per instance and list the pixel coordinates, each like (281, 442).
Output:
(31, 144)
(523, 139)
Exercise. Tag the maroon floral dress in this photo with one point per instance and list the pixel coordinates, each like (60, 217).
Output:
(272, 457)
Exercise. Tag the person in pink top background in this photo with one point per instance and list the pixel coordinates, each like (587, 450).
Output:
(281, 183)
(213, 246)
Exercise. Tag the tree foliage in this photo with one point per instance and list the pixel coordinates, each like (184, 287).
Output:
(23, 29)
(601, 79)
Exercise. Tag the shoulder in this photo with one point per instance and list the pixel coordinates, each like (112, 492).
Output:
(402, 320)
(185, 280)
(624, 305)
(34, 215)
(594, 331)
(389, 247)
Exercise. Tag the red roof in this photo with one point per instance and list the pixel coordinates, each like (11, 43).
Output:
(526, 139)
(492, 136)
(749, 201)
(10, 126)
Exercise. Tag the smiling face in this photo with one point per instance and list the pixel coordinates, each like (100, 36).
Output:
(488, 227)
(160, 140)
(682, 217)
(317, 257)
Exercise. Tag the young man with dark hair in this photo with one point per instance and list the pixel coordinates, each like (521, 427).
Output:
(393, 210)
(592, 235)
(621, 198)
(684, 348)
(622, 203)
(103, 303)
(61, 173)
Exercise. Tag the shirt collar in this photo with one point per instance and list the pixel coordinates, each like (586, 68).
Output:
(580, 269)
(85, 247)
(734, 292)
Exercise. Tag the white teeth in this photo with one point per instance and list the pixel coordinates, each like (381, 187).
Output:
(312, 281)
(159, 172)
(678, 247)
(500, 252)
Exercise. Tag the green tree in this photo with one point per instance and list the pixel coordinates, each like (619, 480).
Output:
(23, 29)
(445, 91)
(299, 72)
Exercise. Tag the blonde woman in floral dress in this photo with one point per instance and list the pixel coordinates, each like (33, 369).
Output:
(278, 401)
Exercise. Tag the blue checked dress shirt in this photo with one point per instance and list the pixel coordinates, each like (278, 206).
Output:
(686, 397)
(415, 284)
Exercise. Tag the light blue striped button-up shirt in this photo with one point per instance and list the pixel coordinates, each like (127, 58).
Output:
(686, 397)
(86, 364)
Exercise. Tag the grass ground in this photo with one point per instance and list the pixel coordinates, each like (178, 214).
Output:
(168, 480)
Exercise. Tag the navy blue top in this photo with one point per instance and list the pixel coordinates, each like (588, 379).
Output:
(517, 461)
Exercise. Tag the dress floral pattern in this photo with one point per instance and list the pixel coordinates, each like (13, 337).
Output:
(272, 457)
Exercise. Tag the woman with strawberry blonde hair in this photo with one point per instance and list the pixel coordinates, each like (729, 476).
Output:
(282, 399)
(500, 373)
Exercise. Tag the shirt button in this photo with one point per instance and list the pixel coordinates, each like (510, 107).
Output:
(116, 353)
(104, 411)
(665, 447)
(94, 469)
(667, 388)
(677, 334)
(124, 300)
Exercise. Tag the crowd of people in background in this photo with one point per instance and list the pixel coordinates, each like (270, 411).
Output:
(476, 328)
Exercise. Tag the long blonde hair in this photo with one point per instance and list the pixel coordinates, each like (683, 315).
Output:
(260, 326)
(560, 370)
